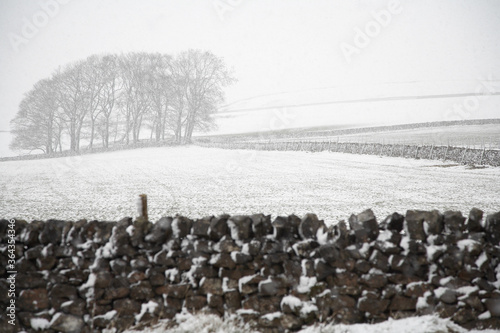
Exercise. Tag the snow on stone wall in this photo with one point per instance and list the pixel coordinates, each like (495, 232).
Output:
(277, 275)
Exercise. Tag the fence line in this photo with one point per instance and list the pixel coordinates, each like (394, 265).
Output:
(460, 155)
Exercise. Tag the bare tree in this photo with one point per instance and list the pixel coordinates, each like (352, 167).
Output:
(205, 75)
(93, 84)
(136, 100)
(34, 124)
(121, 95)
(159, 86)
(71, 99)
(109, 94)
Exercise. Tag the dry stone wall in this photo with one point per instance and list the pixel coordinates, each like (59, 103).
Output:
(277, 274)
(462, 155)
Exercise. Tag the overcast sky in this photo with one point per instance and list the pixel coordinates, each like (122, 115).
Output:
(315, 51)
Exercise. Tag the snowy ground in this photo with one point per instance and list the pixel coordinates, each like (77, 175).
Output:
(196, 182)
(187, 323)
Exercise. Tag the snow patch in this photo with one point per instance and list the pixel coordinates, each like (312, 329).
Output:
(148, 307)
(306, 283)
(272, 316)
(484, 315)
(322, 236)
(130, 230)
(481, 260)
(245, 280)
(467, 244)
(307, 308)
(39, 324)
(384, 236)
(292, 301)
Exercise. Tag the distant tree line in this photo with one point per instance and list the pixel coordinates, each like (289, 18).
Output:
(121, 98)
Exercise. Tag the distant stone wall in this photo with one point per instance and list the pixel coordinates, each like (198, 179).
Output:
(277, 274)
(462, 155)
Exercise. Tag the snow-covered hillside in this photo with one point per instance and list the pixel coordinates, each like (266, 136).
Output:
(196, 182)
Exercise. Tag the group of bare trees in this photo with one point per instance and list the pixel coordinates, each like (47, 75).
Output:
(121, 98)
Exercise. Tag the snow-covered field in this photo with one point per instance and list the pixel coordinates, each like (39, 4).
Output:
(186, 323)
(472, 136)
(196, 182)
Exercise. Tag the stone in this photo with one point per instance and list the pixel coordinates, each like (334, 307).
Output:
(369, 223)
(126, 307)
(232, 300)
(269, 304)
(433, 222)
(417, 289)
(161, 258)
(309, 226)
(223, 260)
(226, 245)
(291, 322)
(33, 252)
(453, 222)
(160, 231)
(156, 278)
(33, 300)
(201, 227)
(445, 310)
(280, 229)
(240, 227)
(374, 280)
(45, 263)
(181, 227)
(103, 279)
(393, 222)
(218, 228)
(178, 291)
(261, 225)
(332, 255)
(75, 307)
(249, 284)
(474, 221)
(195, 302)
(211, 286)
(362, 266)
(323, 270)
(241, 258)
(372, 305)
(305, 248)
(139, 264)
(270, 320)
(401, 303)
(493, 306)
(446, 295)
(136, 276)
(66, 323)
(379, 261)
(115, 293)
(141, 291)
(61, 293)
(31, 280)
(414, 224)
(29, 235)
(51, 233)
(268, 287)
(492, 228)
(465, 315)
(251, 302)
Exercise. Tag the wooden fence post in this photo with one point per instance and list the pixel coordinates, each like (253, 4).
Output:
(142, 207)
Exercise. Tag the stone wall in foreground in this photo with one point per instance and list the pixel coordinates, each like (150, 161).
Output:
(278, 274)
